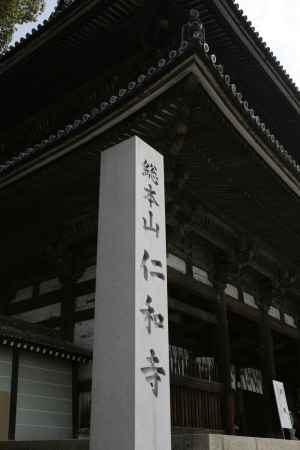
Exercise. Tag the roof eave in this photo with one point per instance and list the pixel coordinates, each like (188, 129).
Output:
(225, 99)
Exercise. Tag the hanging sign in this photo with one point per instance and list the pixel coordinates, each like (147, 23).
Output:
(282, 406)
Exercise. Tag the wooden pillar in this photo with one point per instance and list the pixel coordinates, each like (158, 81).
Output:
(67, 309)
(13, 395)
(223, 356)
(8, 293)
(75, 401)
(297, 381)
(241, 412)
(69, 269)
(268, 367)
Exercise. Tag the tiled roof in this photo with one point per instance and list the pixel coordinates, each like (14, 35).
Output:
(193, 37)
(65, 4)
(36, 339)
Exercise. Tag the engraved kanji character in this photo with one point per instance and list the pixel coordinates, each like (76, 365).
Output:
(150, 171)
(150, 195)
(151, 316)
(155, 262)
(153, 372)
(150, 226)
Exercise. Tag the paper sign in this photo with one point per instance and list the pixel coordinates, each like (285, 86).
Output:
(283, 410)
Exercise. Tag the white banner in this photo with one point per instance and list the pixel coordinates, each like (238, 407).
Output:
(283, 410)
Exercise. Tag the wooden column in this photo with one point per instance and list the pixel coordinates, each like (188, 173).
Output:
(268, 366)
(8, 293)
(75, 401)
(69, 272)
(240, 406)
(67, 309)
(13, 394)
(224, 362)
(297, 381)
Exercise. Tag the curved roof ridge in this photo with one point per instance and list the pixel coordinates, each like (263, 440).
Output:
(63, 4)
(264, 47)
(192, 34)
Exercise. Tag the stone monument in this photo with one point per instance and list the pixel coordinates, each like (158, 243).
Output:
(131, 387)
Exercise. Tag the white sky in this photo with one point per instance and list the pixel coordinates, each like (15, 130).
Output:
(277, 21)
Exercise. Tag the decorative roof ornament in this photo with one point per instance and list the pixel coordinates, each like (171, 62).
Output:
(193, 30)
(63, 4)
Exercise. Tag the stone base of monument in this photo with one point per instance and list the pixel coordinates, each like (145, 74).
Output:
(182, 441)
(45, 445)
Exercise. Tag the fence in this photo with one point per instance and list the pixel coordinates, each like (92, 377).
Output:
(196, 396)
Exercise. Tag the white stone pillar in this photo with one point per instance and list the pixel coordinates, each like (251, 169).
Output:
(131, 387)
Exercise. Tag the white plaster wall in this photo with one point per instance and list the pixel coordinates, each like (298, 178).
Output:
(44, 405)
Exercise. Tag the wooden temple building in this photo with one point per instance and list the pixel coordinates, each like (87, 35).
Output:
(194, 80)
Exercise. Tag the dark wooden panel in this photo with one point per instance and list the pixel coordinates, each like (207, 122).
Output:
(13, 394)
(197, 384)
(194, 408)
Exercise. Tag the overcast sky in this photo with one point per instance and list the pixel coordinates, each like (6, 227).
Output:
(277, 21)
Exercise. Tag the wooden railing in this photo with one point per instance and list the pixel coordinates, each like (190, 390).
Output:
(186, 363)
(196, 395)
